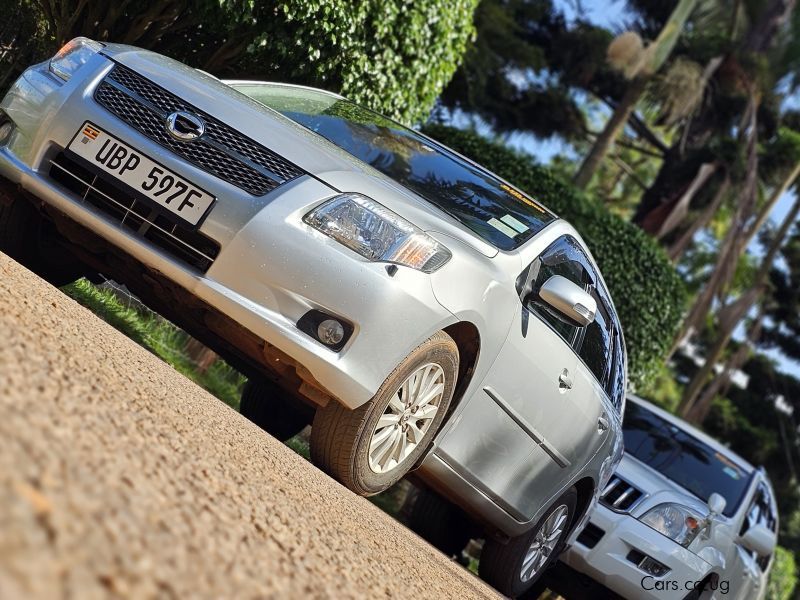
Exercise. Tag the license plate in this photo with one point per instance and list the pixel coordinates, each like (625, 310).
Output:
(167, 189)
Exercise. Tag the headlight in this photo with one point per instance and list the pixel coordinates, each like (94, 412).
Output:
(73, 56)
(376, 233)
(674, 521)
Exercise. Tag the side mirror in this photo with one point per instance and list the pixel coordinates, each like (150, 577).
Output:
(716, 504)
(569, 300)
(759, 539)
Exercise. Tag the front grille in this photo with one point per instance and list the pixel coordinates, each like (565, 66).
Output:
(221, 151)
(620, 495)
(590, 535)
(184, 244)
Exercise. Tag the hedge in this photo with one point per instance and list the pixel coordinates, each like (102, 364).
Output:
(783, 577)
(648, 293)
(393, 56)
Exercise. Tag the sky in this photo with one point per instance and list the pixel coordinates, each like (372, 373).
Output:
(612, 15)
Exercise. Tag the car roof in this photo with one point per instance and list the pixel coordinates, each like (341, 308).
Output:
(693, 431)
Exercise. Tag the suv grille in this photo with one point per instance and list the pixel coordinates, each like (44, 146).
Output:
(221, 151)
(620, 495)
(184, 244)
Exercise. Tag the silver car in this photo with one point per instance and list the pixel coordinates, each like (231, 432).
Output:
(422, 312)
(682, 517)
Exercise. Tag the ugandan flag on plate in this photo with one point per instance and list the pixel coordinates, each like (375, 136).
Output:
(89, 134)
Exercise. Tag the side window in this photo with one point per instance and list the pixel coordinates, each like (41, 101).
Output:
(563, 257)
(616, 383)
(597, 346)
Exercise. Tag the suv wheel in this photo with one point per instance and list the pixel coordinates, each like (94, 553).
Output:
(440, 523)
(270, 407)
(515, 567)
(370, 448)
(21, 237)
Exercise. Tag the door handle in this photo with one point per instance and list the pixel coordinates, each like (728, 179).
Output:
(602, 424)
(564, 381)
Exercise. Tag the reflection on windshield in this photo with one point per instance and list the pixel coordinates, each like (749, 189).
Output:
(496, 212)
(682, 457)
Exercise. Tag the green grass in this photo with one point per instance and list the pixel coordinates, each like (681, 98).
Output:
(159, 336)
(391, 500)
(300, 445)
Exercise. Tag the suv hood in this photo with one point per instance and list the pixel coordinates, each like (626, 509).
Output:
(314, 154)
(656, 487)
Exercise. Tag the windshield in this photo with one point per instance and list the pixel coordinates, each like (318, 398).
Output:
(496, 212)
(682, 457)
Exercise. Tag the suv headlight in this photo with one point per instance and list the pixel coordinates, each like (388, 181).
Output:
(72, 56)
(376, 233)
(674, 521)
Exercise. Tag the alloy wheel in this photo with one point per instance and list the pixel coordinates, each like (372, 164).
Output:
(544, 542)
(407, 418)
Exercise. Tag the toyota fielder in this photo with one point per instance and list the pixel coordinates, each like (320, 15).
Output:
(420, 311)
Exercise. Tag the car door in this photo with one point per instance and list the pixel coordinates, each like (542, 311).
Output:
(525, 433)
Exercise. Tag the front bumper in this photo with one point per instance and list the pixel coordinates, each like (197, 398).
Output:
(608, 562)
(271, 269)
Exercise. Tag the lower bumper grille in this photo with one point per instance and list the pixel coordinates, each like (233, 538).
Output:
(590, 535)
(185, 245)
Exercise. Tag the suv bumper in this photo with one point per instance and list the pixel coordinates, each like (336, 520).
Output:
(608, 562)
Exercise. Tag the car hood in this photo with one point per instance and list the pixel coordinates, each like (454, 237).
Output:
(314, 154)
(656, 487)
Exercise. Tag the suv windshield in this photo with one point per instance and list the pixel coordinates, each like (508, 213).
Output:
(496, 212)
(686, 460)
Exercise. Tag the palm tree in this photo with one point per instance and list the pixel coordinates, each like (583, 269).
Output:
(691, 406)
(639, 64)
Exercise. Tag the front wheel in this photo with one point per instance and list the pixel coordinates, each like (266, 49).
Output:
(515, 567)
(370, 448)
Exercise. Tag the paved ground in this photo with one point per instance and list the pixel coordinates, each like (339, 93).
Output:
(120, 478)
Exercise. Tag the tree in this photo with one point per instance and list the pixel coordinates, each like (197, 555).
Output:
(639, 65)
(783, 157)
(390, 55)
(519, 72)
(740, 79)
(783, 330)
(693, 406)
(20, 39)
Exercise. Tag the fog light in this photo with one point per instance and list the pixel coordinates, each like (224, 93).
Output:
(653, 567)
(6, 129)
(330, 332)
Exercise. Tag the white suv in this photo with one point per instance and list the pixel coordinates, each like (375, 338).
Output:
(683, 517)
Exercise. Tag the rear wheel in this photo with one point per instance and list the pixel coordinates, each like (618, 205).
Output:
(23, 238)
(370, 448)
(270, 407)
(440, 523)
(515, 567)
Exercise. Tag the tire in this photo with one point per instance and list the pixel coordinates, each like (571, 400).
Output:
(502, 565)
(270, 407)
(340, 438)
(440, 523)
(21, 237)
